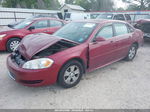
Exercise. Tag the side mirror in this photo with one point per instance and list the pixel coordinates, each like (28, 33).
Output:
(99, 39)
(31, 28)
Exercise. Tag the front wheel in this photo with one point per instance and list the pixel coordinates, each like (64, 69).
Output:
(131, 53)
(12, 44)
(70, 74)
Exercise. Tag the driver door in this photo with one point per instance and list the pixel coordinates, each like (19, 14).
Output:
(103, 52)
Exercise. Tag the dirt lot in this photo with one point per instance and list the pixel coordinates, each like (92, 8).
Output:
(120, 85)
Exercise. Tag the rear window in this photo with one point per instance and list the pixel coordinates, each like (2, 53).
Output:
(120, 29)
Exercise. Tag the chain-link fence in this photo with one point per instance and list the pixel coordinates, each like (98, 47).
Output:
(10, 15)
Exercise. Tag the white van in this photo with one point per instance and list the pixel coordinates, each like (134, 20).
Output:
(71, 16)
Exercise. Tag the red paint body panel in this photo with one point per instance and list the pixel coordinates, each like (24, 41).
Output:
(20, 33)
(93, 54)
(143, 21)
(38, 42)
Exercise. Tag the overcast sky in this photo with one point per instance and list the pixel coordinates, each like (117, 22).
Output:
(118, 3)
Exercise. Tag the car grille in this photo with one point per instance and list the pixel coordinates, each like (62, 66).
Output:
(18, 58)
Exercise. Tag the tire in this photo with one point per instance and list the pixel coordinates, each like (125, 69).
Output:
(12, 44)
(131, 53)
(67, 77)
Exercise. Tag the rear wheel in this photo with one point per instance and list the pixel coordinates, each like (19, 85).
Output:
(12, 44)
(70, 74)
(132, 52)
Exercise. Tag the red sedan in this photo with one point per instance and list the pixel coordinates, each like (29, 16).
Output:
(11, 37)
(78, 47)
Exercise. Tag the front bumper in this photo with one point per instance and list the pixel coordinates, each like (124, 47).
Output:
(26, 77)
(2, 45)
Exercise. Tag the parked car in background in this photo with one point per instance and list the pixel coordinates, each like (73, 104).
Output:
(11, 37)
(71, 16)
(32, 18)
(144, 25)
(76, 48)
(122, 17)
(136, 17)
(94, 15)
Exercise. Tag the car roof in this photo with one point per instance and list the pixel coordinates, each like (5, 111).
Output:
(43, 18)
(102, 21)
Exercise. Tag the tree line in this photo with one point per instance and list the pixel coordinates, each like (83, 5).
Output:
(89, 5)
(32, 4)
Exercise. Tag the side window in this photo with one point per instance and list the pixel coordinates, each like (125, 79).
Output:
(54, 23)
(67, 15)
(119, 17)
(128, 16)
(120, 28)
(41, 24)
(106, 32)
(130, 29)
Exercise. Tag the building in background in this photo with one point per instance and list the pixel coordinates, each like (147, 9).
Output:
(71, 8)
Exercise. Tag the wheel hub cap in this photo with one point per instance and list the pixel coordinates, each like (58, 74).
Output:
(14, 45)
(132, 52)
(71, 74)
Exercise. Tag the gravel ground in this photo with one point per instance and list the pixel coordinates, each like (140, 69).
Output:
(122, 85)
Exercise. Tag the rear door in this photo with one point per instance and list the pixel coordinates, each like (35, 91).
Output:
(102, 53)
(123, 39)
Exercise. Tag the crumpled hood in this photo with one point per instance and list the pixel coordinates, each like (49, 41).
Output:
(5, 28)
(141, 21)
(32, 44)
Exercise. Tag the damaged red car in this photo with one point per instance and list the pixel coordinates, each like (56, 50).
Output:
(144, 25)
(77, 48)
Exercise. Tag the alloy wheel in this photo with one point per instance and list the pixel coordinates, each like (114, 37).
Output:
(71, 74)
(132, 52)
(14, 44)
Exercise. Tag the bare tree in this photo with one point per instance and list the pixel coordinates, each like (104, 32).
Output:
(138, 4)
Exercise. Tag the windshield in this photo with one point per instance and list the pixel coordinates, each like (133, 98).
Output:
(23, 24)
(77, 31)
(105, 16)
